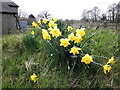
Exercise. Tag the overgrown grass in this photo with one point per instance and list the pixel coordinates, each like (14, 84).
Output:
(18, 64)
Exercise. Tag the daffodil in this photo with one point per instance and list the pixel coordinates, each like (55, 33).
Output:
(70, 28)
(33, 33)
(71, 37)
(44, 31)
(106, 68)
(87, 59)
(55, 32)
(34, 24)
(33, 77)
(111, 61)
(46, 36)
(39, 22)
(78, 39)
(80, 32)
(64, 42)
(50, 29)
(75, 50)
(52, 24)
(55, 19)
(45, 21)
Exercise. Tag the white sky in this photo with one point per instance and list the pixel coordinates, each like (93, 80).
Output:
(62, 9)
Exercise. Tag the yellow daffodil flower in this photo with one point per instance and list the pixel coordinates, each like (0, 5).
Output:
(71, 37)
(78, 39)
(106, 68)
(33, 77)
(111, 61)
(55, 32)
(50, 29)
(55, 19)
(45, 21)
(64, 42)
(44, 31)
(34, 24)
(70, 28)
(75, 50)
(46, 36)
(52, 24)
(39, 22)
(87, 59)
(80, 32)
(33, 33)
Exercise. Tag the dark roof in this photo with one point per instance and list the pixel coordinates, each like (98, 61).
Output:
(31, 16)
(12, 4)
(6, 7)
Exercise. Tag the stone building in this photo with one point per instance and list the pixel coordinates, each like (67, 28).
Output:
(8, 11)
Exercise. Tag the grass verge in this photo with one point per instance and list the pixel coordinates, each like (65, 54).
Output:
(18, 64)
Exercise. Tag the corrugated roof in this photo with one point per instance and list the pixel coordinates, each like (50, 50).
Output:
(6, 6)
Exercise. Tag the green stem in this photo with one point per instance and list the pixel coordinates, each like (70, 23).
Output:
(73, 66)
(100, 56)
(87, 39)
(97, 63)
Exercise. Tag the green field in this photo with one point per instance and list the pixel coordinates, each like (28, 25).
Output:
(18, 64)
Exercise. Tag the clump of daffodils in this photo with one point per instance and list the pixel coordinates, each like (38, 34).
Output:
(70, 39)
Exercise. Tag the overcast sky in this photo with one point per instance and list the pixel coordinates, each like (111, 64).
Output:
(62, 9)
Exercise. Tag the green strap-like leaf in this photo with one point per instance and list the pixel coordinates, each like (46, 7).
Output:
(87, 39)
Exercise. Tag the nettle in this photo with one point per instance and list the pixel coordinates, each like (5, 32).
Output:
(66, 45)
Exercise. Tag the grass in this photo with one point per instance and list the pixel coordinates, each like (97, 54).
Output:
(18, 64)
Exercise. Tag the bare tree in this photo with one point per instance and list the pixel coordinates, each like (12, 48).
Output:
(89, 15)
(44, 14)
(85, 15)
(117, 19)
(22, 14)
(96, 13)
(103, 17)
(112, 10)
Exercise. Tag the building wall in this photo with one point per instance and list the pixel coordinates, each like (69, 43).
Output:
(8, 24)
